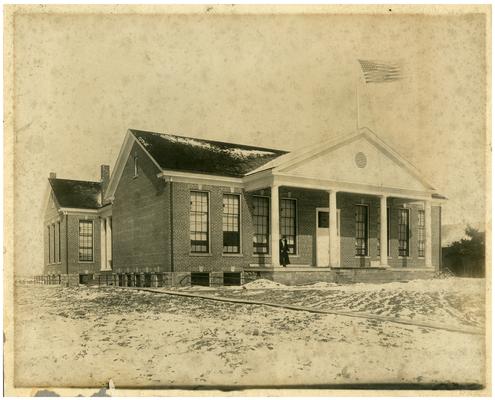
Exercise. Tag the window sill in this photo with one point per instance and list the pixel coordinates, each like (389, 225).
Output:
(85, 262)
(232, 255)
(362, 256)
(261, 255)
(404, 257)
(200, 254)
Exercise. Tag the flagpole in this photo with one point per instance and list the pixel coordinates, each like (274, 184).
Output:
(357, 103)
(357, 100)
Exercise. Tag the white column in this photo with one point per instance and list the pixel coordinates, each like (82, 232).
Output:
(383, 232)
(428, 234)
(333, 247)
(103, 245)
(109, 242)
(274, 225)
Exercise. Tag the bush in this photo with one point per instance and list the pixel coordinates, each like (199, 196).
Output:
(466, 257)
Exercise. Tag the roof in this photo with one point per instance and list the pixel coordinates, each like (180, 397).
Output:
(180, 153)
(76, 194)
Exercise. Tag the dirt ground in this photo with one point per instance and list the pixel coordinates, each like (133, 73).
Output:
(86, 336)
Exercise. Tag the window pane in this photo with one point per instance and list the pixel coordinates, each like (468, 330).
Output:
(261, 223)
(404, 232)
(198, 222)
(230, 223)
(361, 217)
(288, 223)
(421, 233)
(85, 240)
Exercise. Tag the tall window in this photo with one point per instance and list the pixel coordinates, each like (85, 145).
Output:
(288, 223)
(54, 238)
(421, 233)
(85, 240)
(261, 216)
(389, 226)
(361, 230)
(404, 232)
(230, 223)
(49, 244)
(198, 222)
(58, 235)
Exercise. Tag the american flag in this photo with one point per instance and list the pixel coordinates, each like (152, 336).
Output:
(376, 72)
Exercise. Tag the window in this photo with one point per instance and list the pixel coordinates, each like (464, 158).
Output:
(389, 226)
(288, 223)
(135, 165)
(230, 223)
(54, 253)
(261, 223)
(58, 235)
(49, 244)
(361, 230)
(404, 233)
(421, 233)
(323, 219)
(378, 234)
(388, 233)
(198, 222)
(85, 240)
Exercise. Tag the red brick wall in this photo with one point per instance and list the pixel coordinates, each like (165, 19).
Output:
(307, 202)
(76, 266)
(51, 217)
(346, 203)
(215, 260)
(140, 218)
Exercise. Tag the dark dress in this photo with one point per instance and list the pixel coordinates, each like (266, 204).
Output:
(284, 252)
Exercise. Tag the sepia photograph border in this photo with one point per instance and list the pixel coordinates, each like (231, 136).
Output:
(10, 13)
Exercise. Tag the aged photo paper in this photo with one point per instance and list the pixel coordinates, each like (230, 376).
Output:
(247, 200)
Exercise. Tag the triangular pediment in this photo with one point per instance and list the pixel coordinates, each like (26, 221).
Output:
(360, 159)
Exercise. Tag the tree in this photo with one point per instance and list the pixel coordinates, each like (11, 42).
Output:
(466, 257)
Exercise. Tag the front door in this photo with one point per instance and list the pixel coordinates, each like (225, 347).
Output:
(322, 237)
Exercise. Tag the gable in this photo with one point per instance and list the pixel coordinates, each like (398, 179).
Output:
(146, 178)
(51, 207)
(359, 161)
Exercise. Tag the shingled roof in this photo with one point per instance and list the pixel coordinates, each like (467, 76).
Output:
(76, 194)
(186, 154)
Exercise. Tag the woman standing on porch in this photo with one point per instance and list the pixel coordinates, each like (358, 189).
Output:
(284, 252)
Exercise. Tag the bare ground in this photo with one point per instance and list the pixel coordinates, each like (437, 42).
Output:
(87, 336)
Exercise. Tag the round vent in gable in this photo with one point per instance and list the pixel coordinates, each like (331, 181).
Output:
(360, 160)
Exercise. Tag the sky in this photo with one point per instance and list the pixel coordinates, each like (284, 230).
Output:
(278, 81)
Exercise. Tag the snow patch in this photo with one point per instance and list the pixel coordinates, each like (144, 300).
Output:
(263, 284)
(321, 285)
(233, 151)
(190, 142)
(244, 153)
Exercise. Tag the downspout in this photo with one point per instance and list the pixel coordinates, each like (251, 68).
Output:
(171, 210)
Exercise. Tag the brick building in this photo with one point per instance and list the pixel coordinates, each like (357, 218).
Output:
(349, 207)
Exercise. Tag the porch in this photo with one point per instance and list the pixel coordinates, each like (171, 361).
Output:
(340, 229)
